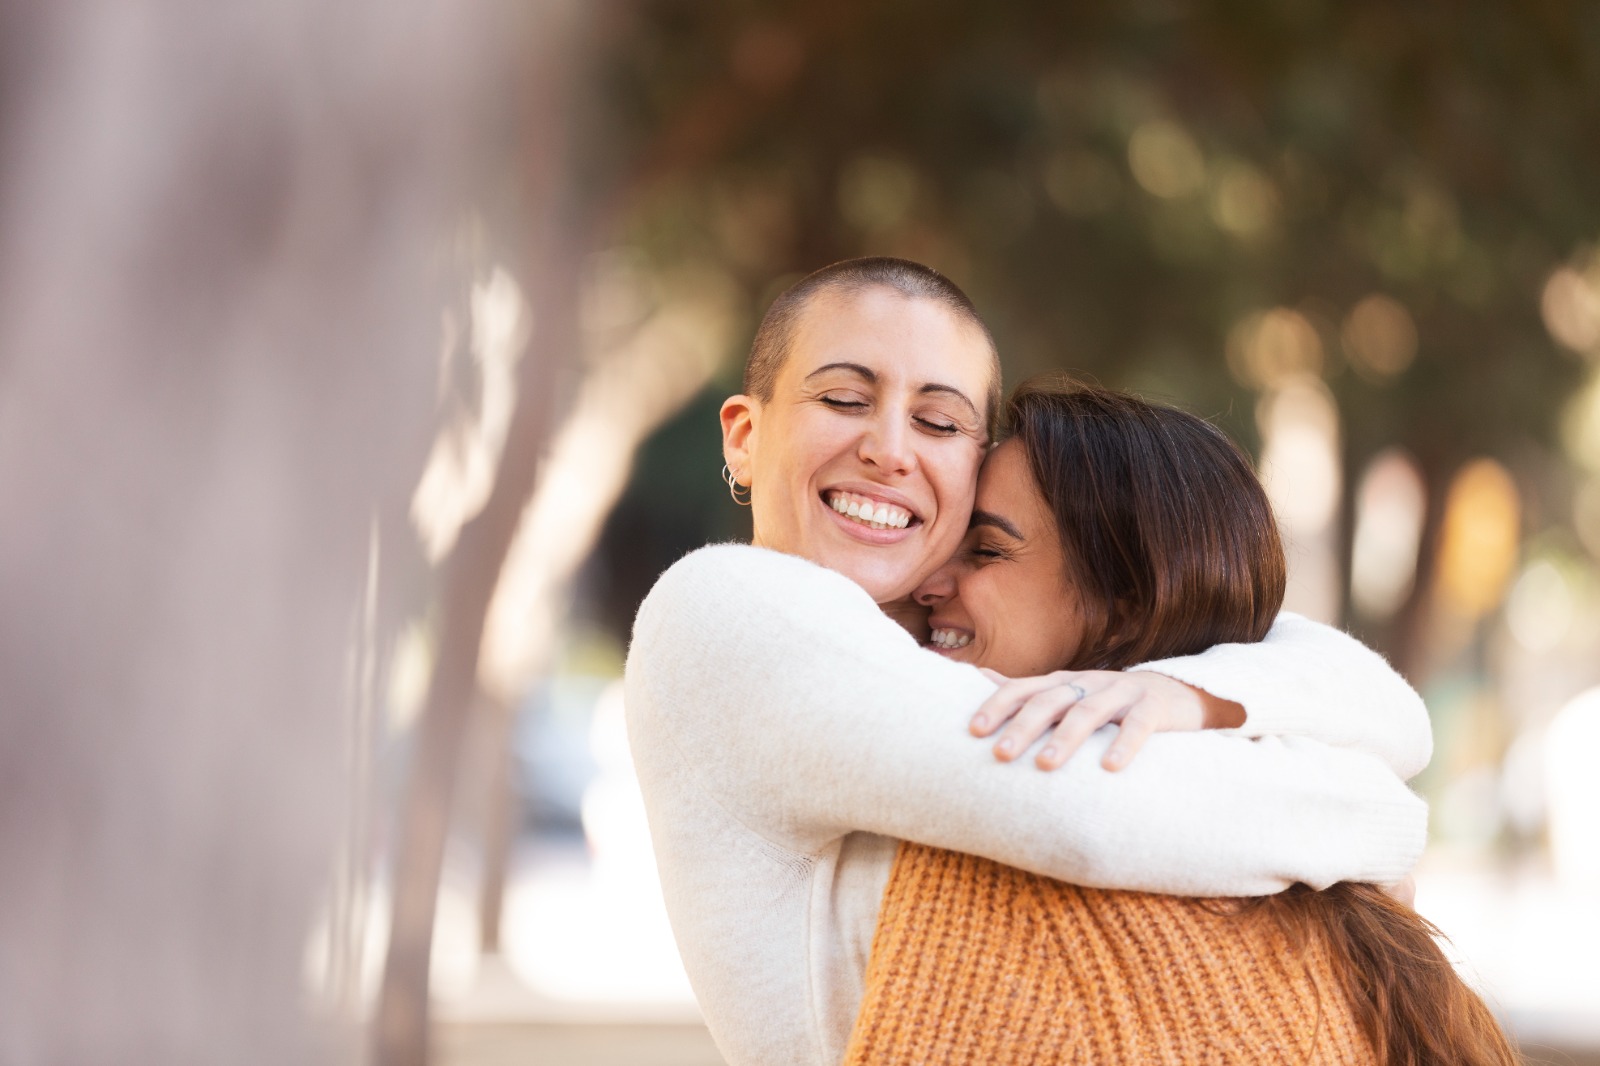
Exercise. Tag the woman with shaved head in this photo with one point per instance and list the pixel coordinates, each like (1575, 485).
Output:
(789, 735)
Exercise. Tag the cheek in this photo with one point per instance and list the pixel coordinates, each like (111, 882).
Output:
(1024, 626)
(955, 485)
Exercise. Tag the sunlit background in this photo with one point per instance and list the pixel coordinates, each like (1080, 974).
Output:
(359, 375)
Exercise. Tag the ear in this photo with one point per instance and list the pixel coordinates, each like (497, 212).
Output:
(740, 415)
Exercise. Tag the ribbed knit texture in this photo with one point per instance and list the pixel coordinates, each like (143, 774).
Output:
(976, 962)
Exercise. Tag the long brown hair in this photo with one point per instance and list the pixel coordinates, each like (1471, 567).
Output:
(1174, 548)
(1168, 533)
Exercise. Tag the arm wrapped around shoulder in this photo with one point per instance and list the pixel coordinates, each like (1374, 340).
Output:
(778, 689)
(1309, 679)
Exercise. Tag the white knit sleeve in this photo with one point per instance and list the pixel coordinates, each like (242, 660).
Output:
(807, 715)
(1311, 680)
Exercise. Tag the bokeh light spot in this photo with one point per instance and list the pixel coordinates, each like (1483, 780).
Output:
(1243, 201)
(1390, 505)
(1300, 457)
(1165, 160)
(1478, 549)
(1380, 337)
(1570, 305)
(1270, 347)
(1573, 789)
(1539, 610)
(1581, 425)
(1586, 515)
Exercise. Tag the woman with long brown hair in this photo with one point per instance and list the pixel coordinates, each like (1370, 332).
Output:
(1109, 531)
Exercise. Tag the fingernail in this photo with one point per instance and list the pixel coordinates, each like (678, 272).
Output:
(979, 722)
(1048, 754)
(1004, 747)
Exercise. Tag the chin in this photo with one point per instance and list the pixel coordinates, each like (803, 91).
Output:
(883, 582)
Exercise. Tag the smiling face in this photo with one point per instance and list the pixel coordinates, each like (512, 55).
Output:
(877, 411)
(1007, 599)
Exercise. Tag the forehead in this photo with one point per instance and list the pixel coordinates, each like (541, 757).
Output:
(1006, 487)
(904, 339)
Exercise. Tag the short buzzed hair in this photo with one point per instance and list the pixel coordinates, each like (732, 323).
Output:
(775, 336)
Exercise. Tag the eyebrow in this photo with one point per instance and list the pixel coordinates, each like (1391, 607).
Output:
(871, 377)
(989, 518)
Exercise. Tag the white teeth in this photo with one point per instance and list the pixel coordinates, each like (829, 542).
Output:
(950, 638)
(875, 515)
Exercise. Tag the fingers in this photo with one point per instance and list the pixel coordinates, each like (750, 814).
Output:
(1075, 704)
(1137, 726)
(1006, 700)
(1081, 720)
(1035, 717)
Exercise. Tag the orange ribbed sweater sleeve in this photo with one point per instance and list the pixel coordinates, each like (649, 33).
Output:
(974, 962)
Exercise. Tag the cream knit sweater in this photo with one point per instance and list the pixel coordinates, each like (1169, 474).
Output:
(787, 735)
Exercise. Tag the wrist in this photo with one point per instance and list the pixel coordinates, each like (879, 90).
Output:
(1218, 713)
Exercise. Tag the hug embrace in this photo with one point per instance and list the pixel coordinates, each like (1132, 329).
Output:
(994, 746)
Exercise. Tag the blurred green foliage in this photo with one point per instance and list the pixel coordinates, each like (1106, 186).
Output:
(1118, 185)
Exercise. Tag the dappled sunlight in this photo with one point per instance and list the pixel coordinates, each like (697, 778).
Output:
(1586, 515)
(1300, 468)
(1269, 348)
(1525, 939)
(1581, 426)
(1165, 160)
(460, 470)
(284, 289)
(1244, 201)
(1571, 745)
(1380, 337)
(1571, 307)
(1527, 932)
(1390, 508)
(578, 935)
(1480, 539)
(1541, 607)
(630, 387)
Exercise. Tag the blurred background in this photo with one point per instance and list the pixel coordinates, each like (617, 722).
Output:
(359, 373)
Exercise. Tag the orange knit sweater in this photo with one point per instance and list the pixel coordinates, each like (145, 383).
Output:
(975, 962)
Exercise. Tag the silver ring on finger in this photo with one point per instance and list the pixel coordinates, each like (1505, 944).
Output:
(1078, 690)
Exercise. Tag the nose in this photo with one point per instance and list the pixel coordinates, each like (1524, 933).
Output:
(939, 586)
(887, 444)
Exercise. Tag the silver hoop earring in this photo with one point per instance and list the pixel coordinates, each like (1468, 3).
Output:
(734, 488)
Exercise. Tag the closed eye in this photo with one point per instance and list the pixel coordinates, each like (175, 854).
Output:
(943, 428)
(842, 405)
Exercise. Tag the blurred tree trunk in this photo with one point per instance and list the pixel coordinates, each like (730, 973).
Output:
(499, 820)
(219, 321)
(471, 575)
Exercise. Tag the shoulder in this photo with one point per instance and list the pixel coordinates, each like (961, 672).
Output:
(734, 580)
(1288, 622)
(737, 604)
(720, 563)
